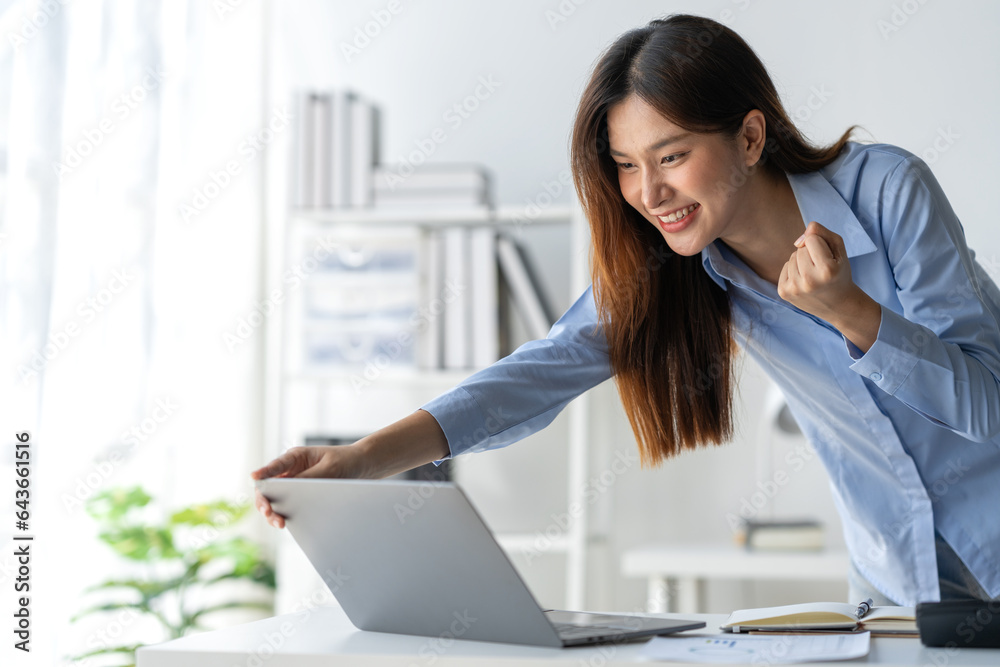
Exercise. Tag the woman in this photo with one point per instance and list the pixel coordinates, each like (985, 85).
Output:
(842, 270)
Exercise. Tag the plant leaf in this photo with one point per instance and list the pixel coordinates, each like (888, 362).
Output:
(146, 589)
(220, 513)
(244, 553)
(262, 573)
(131, 649)
(142, 543)
(112, 505)
(109, 606)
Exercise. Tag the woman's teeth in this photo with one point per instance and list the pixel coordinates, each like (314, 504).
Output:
(677, 215)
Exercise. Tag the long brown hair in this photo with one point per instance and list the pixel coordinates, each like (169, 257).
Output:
(667, 323)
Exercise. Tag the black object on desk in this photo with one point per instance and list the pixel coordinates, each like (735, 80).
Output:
(965, 623)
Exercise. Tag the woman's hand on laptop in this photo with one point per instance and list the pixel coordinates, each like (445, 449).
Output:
(321, 461)
(412, 441)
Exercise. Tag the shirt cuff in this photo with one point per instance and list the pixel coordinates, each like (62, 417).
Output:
(457, 413)
(895, 353)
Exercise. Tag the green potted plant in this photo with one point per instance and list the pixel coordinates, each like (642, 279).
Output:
(189, 554)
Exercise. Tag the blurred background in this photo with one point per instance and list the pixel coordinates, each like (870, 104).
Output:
(154, 343)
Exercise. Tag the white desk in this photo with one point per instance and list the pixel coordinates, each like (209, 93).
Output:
(325, 637)
(683, 571)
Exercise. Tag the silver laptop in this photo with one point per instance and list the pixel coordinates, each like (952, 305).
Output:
(415, 558)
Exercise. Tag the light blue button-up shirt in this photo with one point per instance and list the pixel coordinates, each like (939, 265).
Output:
(909, 431)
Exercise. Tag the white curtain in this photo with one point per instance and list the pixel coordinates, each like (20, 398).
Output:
(131, 162)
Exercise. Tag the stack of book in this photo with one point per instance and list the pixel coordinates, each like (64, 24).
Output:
(335, 150)
(801, 535)
(431, 186)
(470, 278)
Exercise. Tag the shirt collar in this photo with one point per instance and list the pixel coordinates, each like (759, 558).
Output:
(817, 200)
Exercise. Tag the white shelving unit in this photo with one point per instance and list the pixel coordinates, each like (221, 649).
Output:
(317, 402)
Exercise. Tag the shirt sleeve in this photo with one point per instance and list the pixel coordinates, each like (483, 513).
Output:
(523, 392)
(941, 355)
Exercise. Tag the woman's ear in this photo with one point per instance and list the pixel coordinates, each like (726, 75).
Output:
(753, 133)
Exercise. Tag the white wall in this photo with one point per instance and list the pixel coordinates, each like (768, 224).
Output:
(911, 73)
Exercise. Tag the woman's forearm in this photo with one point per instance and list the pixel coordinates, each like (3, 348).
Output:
(410, 442)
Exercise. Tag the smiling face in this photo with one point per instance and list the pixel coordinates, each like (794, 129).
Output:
(679, 181)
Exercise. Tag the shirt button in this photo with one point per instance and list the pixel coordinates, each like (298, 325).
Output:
(876, 376)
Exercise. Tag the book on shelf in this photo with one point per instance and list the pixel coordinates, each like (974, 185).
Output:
(786, 535)
(460, 303)
(432, 185)
(430, 200)
(339, 184)
(365, 120)
(823, 616)
(484, 310)
(524, 288)
(457, 300)
(303, 151)
(430, 310)
(335, 150)
(431, 176)
(322, 123)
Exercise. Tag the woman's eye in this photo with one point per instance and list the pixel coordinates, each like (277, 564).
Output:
(669, 159)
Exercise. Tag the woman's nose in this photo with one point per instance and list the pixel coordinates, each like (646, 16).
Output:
(655, 191)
